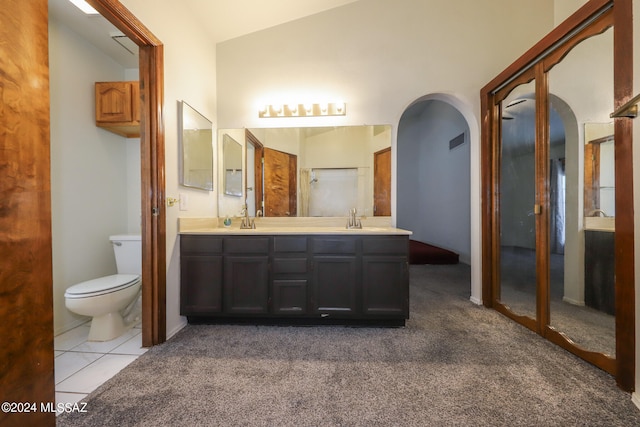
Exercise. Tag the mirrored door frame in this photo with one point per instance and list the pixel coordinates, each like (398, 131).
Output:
(593, 18)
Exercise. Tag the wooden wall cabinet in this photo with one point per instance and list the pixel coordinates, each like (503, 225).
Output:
(118, 107)
(298, 278)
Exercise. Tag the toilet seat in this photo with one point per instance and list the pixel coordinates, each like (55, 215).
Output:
(101, 286)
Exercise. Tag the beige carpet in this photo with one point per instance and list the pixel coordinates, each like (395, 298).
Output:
(454, 364)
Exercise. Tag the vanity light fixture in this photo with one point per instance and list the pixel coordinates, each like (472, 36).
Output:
(85, 7)
(303, 110)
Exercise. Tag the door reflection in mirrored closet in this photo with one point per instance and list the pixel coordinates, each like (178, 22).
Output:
(581, 91)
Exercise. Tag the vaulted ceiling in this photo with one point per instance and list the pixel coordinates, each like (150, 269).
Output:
(220, 20)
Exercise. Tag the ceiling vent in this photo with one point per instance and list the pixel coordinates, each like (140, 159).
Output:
(125, 42)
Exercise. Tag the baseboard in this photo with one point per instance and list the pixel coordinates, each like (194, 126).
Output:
(573, 301)
(635, 398)
(476, 301)
(180, 326)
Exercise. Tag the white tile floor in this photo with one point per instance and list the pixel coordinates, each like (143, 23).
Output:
(81, 366)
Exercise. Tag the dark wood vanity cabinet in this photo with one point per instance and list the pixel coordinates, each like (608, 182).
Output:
(385, 277)
(335, 276)
(599, 270)
(246, 275)
(315, 278)
(200, 276)
(290, 293)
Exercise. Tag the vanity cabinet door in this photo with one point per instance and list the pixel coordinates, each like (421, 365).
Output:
(200, 275)
(334, 285)
(246, 284)
(335, 276)
(201, 285)
(385, 276)
(385, 285)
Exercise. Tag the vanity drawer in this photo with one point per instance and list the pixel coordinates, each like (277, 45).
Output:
(283, 244)
(290, 265)
(246, 245)
(200, 244)
(334, 245)
(385, 245)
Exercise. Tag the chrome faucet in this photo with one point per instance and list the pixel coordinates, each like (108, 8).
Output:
(597, 212)
(353, 221)
(247, 223)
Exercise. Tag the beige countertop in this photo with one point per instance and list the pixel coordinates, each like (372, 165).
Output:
(597, 223)
(270, 226)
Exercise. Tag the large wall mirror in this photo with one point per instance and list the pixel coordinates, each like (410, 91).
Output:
(196, 140)
(312, 171)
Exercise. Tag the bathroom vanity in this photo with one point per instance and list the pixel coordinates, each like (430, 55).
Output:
(301, 274)
(599, 264)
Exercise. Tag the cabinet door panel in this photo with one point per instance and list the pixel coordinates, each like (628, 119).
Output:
(200, 285)
(246, 284)
(334, 285)
(385, 283)
(290, 296)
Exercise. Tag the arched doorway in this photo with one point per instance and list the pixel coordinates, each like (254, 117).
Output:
(437, 184)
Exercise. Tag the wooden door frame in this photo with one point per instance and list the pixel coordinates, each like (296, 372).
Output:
(624, 367)
(151, 52)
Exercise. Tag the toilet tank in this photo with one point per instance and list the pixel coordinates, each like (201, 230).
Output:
(128, 251)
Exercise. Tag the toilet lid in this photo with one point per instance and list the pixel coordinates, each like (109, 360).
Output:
(102, 285)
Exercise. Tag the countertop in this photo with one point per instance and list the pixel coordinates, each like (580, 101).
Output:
(597, 223)
(290, 226)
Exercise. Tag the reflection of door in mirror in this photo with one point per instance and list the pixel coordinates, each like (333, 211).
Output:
(599, 171)
(382, 182)
(280, 190)
(254, 174)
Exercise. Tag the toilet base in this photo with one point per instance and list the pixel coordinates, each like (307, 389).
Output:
(106, 327)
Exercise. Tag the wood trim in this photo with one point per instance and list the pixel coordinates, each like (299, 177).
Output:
(542, 197)
(601, 360)
(557, 34)
(599, 26)
(152, 140)
(624, 235)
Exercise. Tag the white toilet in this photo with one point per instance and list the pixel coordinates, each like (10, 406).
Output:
(107, 297)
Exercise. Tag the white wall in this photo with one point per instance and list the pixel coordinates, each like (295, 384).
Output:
(434, 188)
(95, 185)
(190, 75)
